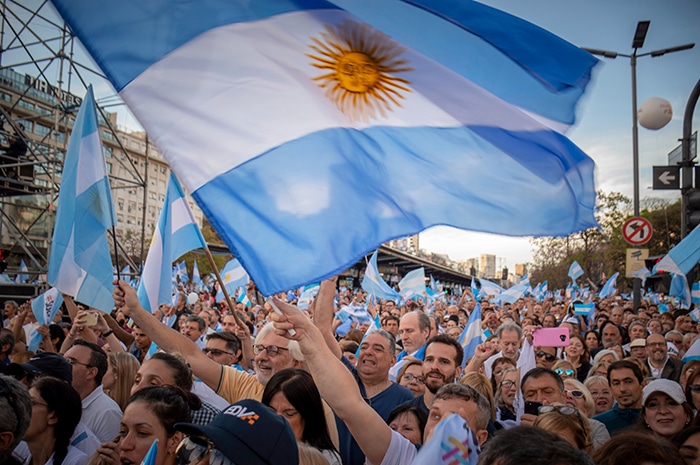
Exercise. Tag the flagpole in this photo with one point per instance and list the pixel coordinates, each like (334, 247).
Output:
(223, 288)
(116, 251)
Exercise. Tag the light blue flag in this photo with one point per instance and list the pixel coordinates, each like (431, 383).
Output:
(610, 287)
(314, 216)
(22, 277)
(372, 283)
(693, 352)
(150, 457)
(126, 270)
(413, 285)
(175, 234)
(695, 293)
(196, 279)
(80, 264)
(474, 288)
(374, 326)
(513, 293)
(243, 298)
(182, 274)
(234, 276)
(307, 296)
(433, 285)
(472, 335)
(575, 271)
(679, 288)
(683, 257)
(45, 306)
(489, 288)
(643, 273)
(453, 443)
(583, 309)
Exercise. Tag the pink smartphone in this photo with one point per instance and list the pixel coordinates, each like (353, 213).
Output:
(551, 337)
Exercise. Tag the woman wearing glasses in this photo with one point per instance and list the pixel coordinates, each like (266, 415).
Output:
(578, 395)
(692, 389)
(505, 398)
(411, 376)
(56, 410)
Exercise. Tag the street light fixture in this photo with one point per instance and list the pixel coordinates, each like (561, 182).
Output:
(637, 43)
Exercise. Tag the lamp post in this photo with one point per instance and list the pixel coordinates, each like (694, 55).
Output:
(637, 43)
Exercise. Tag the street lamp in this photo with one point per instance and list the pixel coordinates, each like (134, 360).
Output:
(637, 43)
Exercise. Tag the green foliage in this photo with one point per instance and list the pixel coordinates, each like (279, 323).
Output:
(602, 251)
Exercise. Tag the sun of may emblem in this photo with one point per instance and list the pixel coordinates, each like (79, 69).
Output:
(360, 66)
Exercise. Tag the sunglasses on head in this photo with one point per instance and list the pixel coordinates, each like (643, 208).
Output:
(562, 372)
(575, 393)
(193, 449)
(548, 357)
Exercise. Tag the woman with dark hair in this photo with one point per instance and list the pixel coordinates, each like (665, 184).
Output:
(150, 414)
(593, 340)
(688, 444)
(56, 410)
(409, 421)
(293, 394)
(578, 355)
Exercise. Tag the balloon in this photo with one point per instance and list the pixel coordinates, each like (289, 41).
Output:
(655, 113)
(192, 298)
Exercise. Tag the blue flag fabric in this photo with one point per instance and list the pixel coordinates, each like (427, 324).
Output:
(610, 287)
(453, 442)
(45, 306)
(22, 277)
(683, 257)
(489, 288)
(372, 283)
(151, 455)
(513, 293)
(196, 278)
(679, 288)
(315, 216)
(413, 284)
(695, 293)
(175, 234)
(575, 271)
(80, 263)
(234, 276)
(472, 335)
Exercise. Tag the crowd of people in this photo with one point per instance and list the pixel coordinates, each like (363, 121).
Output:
(251, 385)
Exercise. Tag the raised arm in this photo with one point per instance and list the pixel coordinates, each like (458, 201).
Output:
(204, 368)
(335, 383)
(323, 314)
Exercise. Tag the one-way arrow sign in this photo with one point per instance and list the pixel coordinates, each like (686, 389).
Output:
(667, 177)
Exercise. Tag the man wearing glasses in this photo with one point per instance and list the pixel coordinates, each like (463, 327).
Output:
(659, 364)
(100, 413)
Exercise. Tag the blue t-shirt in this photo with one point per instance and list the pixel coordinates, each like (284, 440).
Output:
(383, 403)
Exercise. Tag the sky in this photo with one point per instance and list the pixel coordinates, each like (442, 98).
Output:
(604, 123)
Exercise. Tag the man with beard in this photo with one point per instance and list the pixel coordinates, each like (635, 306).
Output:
(442, 365)
(659, 364)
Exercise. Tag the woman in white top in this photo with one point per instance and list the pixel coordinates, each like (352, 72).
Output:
(56, 410)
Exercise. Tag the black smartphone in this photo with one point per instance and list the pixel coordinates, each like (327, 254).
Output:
(532, 407)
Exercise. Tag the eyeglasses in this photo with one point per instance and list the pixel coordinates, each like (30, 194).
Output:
(695, 387)
(576, 394)
(562, 372)
(73, 361)
(193, 449)
(507, 384)
(656, 344)
(409, 377)
(547, 357)
(271, 350)
(563, 409)
(216, 352)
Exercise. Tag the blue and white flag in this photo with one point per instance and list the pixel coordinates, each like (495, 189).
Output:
(433, 285)
(150, 457)
(683, 256)
(372, 283)
(680, 289)
(513, 293)
(196, 278)
(575, 271)
(413, 285)
(243, 298)
(45, 306)
(693, 352)
(472, 335)
(22, 277)
(307, 296)
(610, 287)
(695, 293)
(176, 234)
(181, 272)
(80, 264)
(452, 443)
(474, 288)
(234, 276)
(584, 309)
(405, 105)
(489, 288)
(643, 273)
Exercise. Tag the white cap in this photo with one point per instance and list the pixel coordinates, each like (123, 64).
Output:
(667, 386)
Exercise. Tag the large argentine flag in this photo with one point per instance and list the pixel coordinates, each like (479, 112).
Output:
(373, 284)
(176, 234)
(310, 134)
(80, 264)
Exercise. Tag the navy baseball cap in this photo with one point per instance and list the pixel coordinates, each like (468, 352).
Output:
(250, 433)
(45, 363)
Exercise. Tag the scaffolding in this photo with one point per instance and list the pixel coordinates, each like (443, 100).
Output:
(44, 72)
